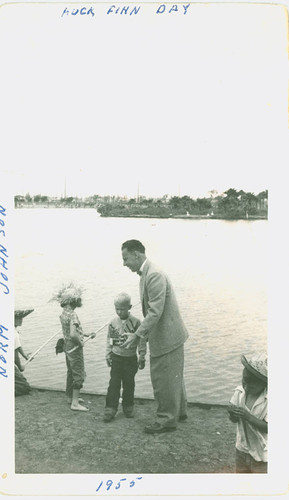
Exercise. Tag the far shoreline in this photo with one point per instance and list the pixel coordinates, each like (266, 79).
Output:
(149, 216)
(184, 217)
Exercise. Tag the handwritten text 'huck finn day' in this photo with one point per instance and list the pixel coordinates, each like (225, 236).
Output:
(127, 10)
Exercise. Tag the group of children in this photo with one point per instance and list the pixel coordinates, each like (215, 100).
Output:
(248, 406)
(123, 362)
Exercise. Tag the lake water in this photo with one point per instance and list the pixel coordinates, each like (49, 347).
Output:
(218, 269)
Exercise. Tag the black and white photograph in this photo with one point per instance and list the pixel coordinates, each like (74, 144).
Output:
(143, 148)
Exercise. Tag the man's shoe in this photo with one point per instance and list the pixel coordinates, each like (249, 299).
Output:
(128, 412)
(109, 414)
(182, 418)
(157, 428)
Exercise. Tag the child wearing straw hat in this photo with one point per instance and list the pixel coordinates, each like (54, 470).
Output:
(21, 385)
(70, 297)
(248, 408)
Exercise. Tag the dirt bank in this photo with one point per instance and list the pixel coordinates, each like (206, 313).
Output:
(51, 438)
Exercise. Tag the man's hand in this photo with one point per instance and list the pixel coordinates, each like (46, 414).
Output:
(131, 342)
(141, 363)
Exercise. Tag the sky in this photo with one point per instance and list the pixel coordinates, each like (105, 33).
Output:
(167, 104)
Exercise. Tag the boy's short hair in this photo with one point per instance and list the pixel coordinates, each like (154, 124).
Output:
(133, 245)
(123, 297)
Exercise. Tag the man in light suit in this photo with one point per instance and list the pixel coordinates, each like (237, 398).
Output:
(166, 333)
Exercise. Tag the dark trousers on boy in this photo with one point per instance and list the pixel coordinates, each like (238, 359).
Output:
(123, 370)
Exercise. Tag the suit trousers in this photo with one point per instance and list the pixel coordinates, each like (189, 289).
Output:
(168, 386)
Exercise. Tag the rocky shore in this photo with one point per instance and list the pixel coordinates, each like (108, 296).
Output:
(51, 438)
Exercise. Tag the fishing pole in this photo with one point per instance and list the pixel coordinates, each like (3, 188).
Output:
(41, 347)
(71, 350)
(90, 337)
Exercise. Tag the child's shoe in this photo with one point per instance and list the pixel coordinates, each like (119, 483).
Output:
(109, 414)
(128, 411)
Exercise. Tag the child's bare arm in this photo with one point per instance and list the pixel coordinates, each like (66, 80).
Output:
(261, 425)
(74, 334)
(17, 360)
(25, 356)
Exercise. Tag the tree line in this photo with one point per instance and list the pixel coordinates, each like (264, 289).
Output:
(230, 204)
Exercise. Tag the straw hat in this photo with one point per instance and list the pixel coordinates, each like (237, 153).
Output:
(21, 313)
(257, 365)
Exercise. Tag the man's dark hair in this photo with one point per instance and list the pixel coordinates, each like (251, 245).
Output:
(133, 245)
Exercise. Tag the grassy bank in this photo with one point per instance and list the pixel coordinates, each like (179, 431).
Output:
(51, 438)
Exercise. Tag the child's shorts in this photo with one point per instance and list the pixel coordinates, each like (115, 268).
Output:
(246, 464)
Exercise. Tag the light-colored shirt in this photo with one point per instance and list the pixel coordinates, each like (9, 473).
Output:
(17, 342)
(249, 439)
(142, 266)
(67, 319)
(117, 328)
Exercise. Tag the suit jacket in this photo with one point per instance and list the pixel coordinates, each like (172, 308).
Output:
(162, 324)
